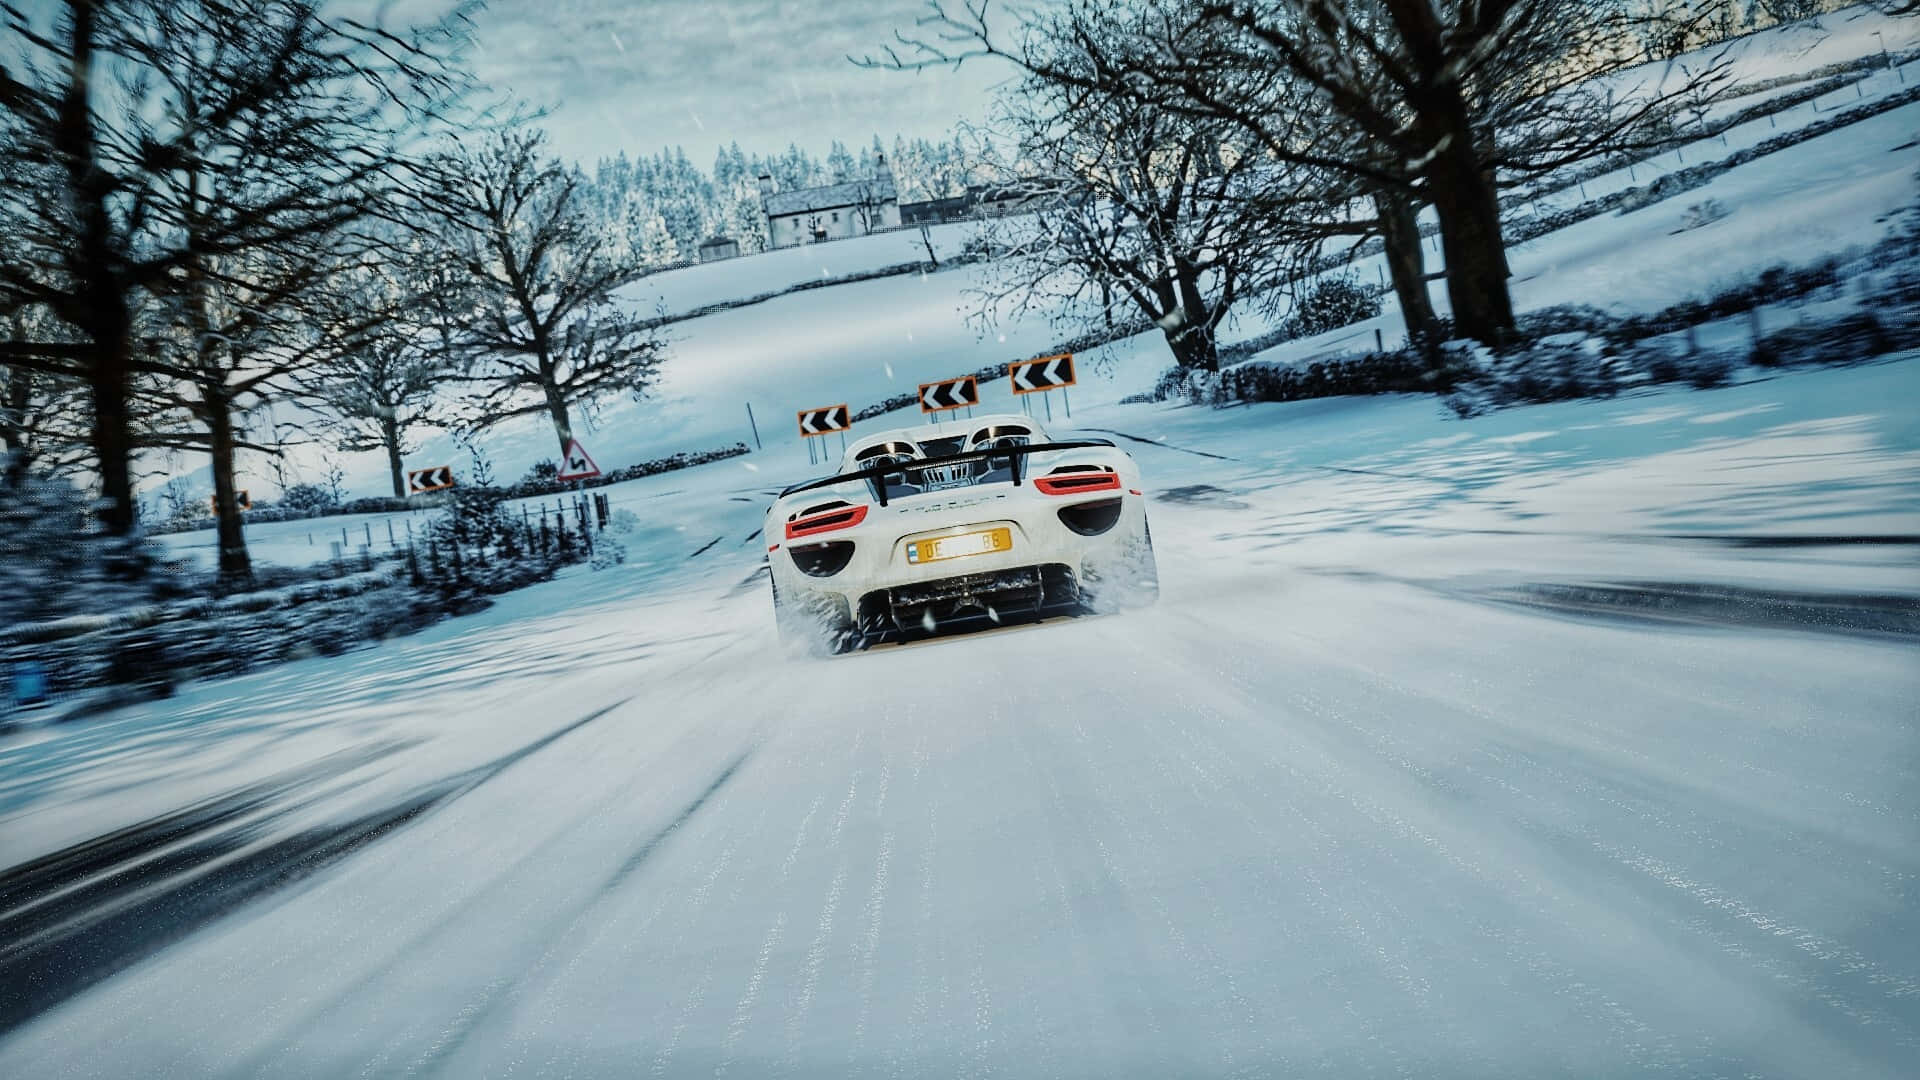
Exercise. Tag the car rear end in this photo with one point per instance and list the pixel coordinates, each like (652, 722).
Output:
(957, 543)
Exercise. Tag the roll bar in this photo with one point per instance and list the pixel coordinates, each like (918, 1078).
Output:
(876, 475)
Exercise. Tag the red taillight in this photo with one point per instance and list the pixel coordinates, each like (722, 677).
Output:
(1077, 482)
(844, 517)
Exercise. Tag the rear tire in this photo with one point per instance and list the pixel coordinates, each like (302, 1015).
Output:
(1133, 581)
(810, 633)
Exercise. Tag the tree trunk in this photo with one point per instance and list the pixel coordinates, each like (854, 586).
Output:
(1193, 347)
(1406, 264)
(1462, 193)
(19, 396)
(108, 381)
(104, 313)
(1476, 254)
(235, 565)
(926, 237)
(562, 424)
(390, 437)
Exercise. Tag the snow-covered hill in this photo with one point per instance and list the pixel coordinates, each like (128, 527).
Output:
(866, 341)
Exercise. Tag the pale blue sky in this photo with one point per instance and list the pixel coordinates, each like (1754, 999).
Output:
(637, 75)
(640, 74)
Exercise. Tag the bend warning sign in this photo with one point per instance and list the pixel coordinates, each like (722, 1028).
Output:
(823, 421)
(578, 465)
(949, 394)
(436, 478)
(1045, 373)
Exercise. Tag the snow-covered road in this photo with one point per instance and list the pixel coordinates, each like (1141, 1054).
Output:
(1364, 794)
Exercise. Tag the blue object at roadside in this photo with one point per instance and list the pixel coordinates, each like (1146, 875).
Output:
(29, 683)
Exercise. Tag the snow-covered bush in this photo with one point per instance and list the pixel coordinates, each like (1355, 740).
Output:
(53, 560)
(1704, 212)
(607, 552)
(379, 504)
(541, 475)
(1332, 302)
(473, 518)
(1847, 340)
(1399, 371)
(308, 499)
(1562, 367)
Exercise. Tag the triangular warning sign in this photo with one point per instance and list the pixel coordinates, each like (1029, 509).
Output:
(577, 466)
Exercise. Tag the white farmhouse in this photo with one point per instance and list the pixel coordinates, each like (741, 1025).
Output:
(833, 212)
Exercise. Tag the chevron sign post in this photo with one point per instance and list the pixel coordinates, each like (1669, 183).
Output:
(437, 478)
(1045, 373)
(824, 421)
(1042, 374)
(960, 393)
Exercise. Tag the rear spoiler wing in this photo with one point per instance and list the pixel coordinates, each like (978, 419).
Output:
(875, 477)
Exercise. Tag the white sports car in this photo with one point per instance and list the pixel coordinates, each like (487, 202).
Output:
(964, 521)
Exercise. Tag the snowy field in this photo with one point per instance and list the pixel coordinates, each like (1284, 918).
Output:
(1570, 740)
(863, 342)
(866, 341)
(1346, 800)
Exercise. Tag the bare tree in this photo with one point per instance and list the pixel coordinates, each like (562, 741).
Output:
(39, 413)
(1408, 101)
(116, 127)
(544, 334)
(1132, 204)
(381, 384)
(870, 198)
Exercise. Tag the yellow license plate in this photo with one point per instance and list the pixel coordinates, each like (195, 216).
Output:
(958, 547)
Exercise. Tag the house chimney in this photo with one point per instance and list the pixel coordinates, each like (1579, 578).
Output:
(766, 186)
(881, 170)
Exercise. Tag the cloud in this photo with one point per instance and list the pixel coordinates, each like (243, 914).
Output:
(619, 75)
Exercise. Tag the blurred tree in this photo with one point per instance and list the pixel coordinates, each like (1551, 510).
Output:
(148, 147)
(544, 333)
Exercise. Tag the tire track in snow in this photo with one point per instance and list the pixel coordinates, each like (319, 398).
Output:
(1754, 937)
(816, 958)
(1078, 815)
(499, 996)
(750, 996)
(1395, 968)
(823, 928)
(1190, 957)
(1743, 930)
(914, 1034)
(870, 945)
(267, 1061)
(696, 903)
(876, 905)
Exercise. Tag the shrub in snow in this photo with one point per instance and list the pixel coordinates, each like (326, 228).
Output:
(607, 552)
(473, 518)
(1561, 319)
(1399, 371)
(1702, 371)
(543, 474)
(1332, 302)
(308, 499)
(54, 562)
(384, 504)
(1704, 212)
(1847, 340)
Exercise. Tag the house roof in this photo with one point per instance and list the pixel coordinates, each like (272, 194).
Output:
(832, 197)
